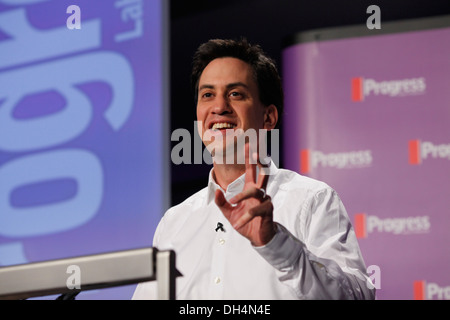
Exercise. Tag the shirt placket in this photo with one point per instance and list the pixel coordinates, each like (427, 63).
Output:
(217, 276)
(221, 244)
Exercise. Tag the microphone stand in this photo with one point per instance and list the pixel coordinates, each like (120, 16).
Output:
(68, 295)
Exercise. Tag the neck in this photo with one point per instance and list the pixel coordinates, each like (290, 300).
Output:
(224, 174)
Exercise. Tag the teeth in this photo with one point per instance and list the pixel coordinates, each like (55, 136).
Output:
(223, 125)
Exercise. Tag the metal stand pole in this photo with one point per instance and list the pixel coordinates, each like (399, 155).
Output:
(165, 274)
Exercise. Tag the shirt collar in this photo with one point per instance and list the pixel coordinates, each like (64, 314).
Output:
(234, 187)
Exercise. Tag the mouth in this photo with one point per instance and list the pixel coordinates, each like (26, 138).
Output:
(222, 125)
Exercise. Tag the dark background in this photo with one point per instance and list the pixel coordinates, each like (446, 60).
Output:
(265, 22)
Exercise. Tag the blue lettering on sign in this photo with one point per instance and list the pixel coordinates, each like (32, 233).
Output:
(82, 166)
(12, 253)
(20, 2)
(131, 10)
(27, 45)
(51, 130)
(30, 44)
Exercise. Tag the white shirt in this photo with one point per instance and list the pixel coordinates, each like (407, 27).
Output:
(314, 254)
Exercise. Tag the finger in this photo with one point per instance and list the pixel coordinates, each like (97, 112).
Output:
(264, 162)
(250, 169)
(261, 210)
(248, 193)
(223, 204)
(263, 176)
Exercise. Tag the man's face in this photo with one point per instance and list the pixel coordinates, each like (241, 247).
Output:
(228, 99)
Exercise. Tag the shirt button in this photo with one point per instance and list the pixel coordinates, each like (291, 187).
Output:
(222, 241)
(217, 280)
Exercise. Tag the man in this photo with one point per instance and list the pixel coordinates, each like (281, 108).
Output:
(256, 231)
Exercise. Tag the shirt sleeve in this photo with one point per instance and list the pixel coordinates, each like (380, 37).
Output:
(328, 263)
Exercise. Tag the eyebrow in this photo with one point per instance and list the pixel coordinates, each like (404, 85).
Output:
(229, 86)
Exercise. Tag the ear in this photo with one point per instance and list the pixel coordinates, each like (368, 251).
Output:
(270, 117)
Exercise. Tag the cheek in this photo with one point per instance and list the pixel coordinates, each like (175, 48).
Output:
(200, 114)
(200, 128)
(254, 117)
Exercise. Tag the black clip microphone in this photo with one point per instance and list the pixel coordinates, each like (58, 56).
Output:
(220, 227)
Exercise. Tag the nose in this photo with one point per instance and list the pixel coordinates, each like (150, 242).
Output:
(221, 106)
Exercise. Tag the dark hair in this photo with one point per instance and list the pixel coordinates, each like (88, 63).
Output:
(264, 68)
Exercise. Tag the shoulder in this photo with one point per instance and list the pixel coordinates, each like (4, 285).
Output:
(289, 180)
(304, 192)
(194, 201)
(178, 215)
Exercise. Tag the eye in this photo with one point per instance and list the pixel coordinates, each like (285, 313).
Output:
(236, 94)
(207, 95)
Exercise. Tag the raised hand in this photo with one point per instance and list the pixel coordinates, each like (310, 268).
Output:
(251, 211)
